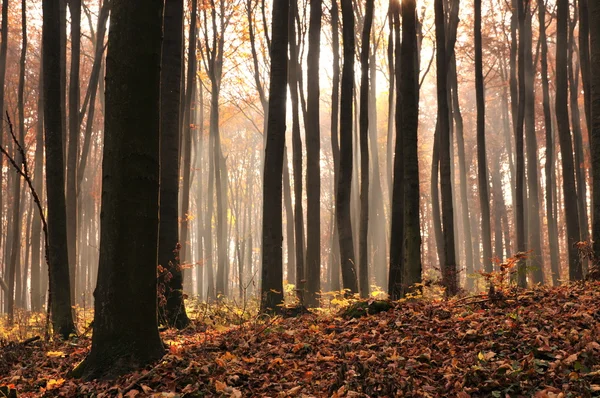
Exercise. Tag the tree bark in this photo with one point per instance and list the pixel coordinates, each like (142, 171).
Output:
(520, 180)
(272, 256)
(450, 276)
(172, 309)
(549, 168)
(396, 277)
(564, 134)
(363, 248)
(313, 159)
(594, 15)
(342, 202)
(73, 143)
(125, 323)
(534, 238)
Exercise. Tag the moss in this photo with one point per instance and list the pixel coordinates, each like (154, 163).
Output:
(364, 308)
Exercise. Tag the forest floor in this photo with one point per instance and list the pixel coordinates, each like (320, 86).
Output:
(543, 342)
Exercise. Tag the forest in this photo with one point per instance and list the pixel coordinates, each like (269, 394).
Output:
(345, 198)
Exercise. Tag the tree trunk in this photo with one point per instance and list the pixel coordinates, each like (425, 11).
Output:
(272, 256)
(313, 158)
(125, 324)
(3, 52)
(482, 167)
(38, 184)
(450, 276)
(344, 183)
(172, 307)
(549, 168)
(564, 134)
(594, 15)
(520, 180)
(363, 255)
(580, 175)
(534, 238)
(396, 284)
(186, 149)
(297, 149)
(73, 146)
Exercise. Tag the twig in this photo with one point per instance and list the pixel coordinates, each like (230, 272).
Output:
(132, 385)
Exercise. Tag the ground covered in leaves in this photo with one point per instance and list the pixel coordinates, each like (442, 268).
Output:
(543, 342)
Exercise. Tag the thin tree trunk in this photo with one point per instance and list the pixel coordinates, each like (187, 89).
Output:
(60, 298)
(396, 279)
(313, 159)
(564, 134)
(482, 167)
(272, 256)
(344, 183)
(363, 257)
(73, 145)
(549, 167)
(520, 191)
(534, 238)
(186, 149)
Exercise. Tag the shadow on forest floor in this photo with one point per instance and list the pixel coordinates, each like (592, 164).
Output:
(541, 342)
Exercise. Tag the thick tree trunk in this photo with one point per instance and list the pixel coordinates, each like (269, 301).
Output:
(594, 15)
(172, 307)
(60, 298)
(272, 256)
(125, 323)
(3, 52)
(344, 183)
(564, 134)
(363, 248)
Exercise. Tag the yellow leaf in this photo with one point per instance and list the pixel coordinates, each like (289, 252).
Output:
(53, 383)
(55, 354)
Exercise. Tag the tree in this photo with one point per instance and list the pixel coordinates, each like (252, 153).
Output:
(396, 276)
(549, 169)
(186, 145)
(564, 135)
(450, 275)
(409, 88)
(3, 52)
(342, 200)
(482, 167)
(272, 232)
(594, 15)
(313, 158)
(18, 205)
(168, 235)
(520, 180)
(73, 144)
(363, 257)
(125, 323)
(60, 298)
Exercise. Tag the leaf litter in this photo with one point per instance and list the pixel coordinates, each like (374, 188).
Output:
(543, 343)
